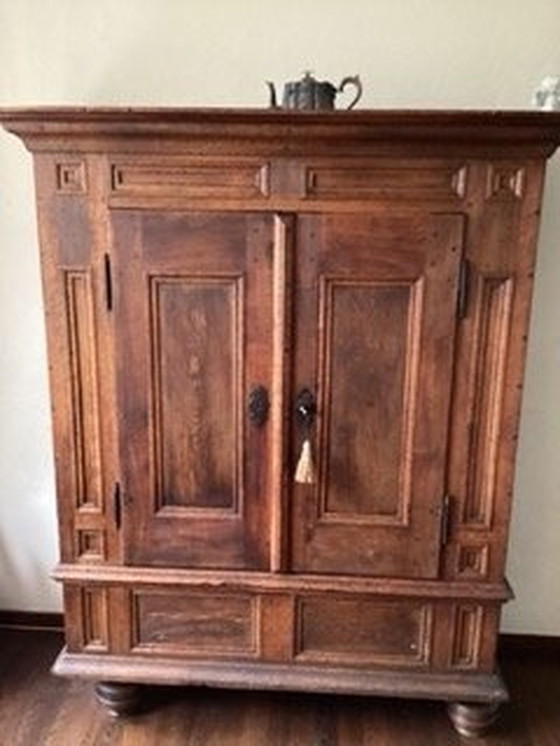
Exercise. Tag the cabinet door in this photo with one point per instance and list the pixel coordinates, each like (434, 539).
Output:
(374, 332)
(193, 329)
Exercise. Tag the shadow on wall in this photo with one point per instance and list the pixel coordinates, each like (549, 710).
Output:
(29, 587)
(8, 577)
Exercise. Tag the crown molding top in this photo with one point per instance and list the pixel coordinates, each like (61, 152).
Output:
(80, 128)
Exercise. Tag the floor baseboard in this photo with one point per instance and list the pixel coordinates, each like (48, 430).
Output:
(40, 620)
(32, 620)
(516, 643)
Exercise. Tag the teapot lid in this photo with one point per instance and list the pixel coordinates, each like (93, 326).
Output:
(308, 78)
(309, 81)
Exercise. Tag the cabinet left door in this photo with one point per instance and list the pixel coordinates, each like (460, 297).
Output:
(193, 331)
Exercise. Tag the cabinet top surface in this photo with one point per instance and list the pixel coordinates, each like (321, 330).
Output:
(179, 114)
(478, 126)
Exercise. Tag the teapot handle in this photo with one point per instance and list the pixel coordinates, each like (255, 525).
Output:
(355, 81)
(272, 92)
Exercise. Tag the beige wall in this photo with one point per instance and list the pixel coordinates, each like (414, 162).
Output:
(418, 53)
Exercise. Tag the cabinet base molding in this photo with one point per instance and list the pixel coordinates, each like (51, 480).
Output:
(31, 620)
(451, 687)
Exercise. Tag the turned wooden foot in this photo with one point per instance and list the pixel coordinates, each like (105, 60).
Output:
(119, 699)
(472, 719)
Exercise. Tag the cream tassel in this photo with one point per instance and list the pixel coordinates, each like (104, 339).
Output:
(305, 469)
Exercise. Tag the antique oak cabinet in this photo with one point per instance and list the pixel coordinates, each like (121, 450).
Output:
(286, 355)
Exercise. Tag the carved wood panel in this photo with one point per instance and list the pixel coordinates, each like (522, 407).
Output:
(187, 178)
(370, 361)
(467, 636)
(394, 179)
(359, 631)
(197, 337)
(187, 623)
(493, 328)
(84, 388)
(95, 619)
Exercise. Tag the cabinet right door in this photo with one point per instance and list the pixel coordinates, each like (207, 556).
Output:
(374, 327)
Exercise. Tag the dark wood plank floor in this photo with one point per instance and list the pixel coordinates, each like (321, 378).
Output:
(37, 709)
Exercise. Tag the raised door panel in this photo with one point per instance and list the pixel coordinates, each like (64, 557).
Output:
(193, 330)
(197, 340)
(374, 333)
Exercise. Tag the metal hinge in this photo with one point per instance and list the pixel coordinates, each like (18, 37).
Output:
(108, 282)
(117, 505)
(463, 289)
(445, 520)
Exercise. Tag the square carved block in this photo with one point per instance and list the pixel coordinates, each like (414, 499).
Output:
(472, 561)
(505, 182)
(91, 545)
(71, 177)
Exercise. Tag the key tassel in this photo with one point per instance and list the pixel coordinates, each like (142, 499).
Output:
(305, 469)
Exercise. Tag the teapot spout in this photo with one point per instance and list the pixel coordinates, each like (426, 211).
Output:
(273, 100)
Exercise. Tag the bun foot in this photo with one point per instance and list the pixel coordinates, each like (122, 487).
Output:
(473, 719)
(119, 699)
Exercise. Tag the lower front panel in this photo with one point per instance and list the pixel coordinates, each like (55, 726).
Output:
(179, 623)
(298, 628)
(356, 631)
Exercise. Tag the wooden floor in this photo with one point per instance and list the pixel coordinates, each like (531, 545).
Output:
(37, 709)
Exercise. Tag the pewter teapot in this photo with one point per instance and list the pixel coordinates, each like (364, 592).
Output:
(310, 94)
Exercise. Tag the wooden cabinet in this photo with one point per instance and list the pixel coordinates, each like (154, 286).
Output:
(228, 292)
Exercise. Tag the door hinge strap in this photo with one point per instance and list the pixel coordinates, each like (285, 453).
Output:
(463, 289)
(108, 282)
(117, 505)
(445, 520)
